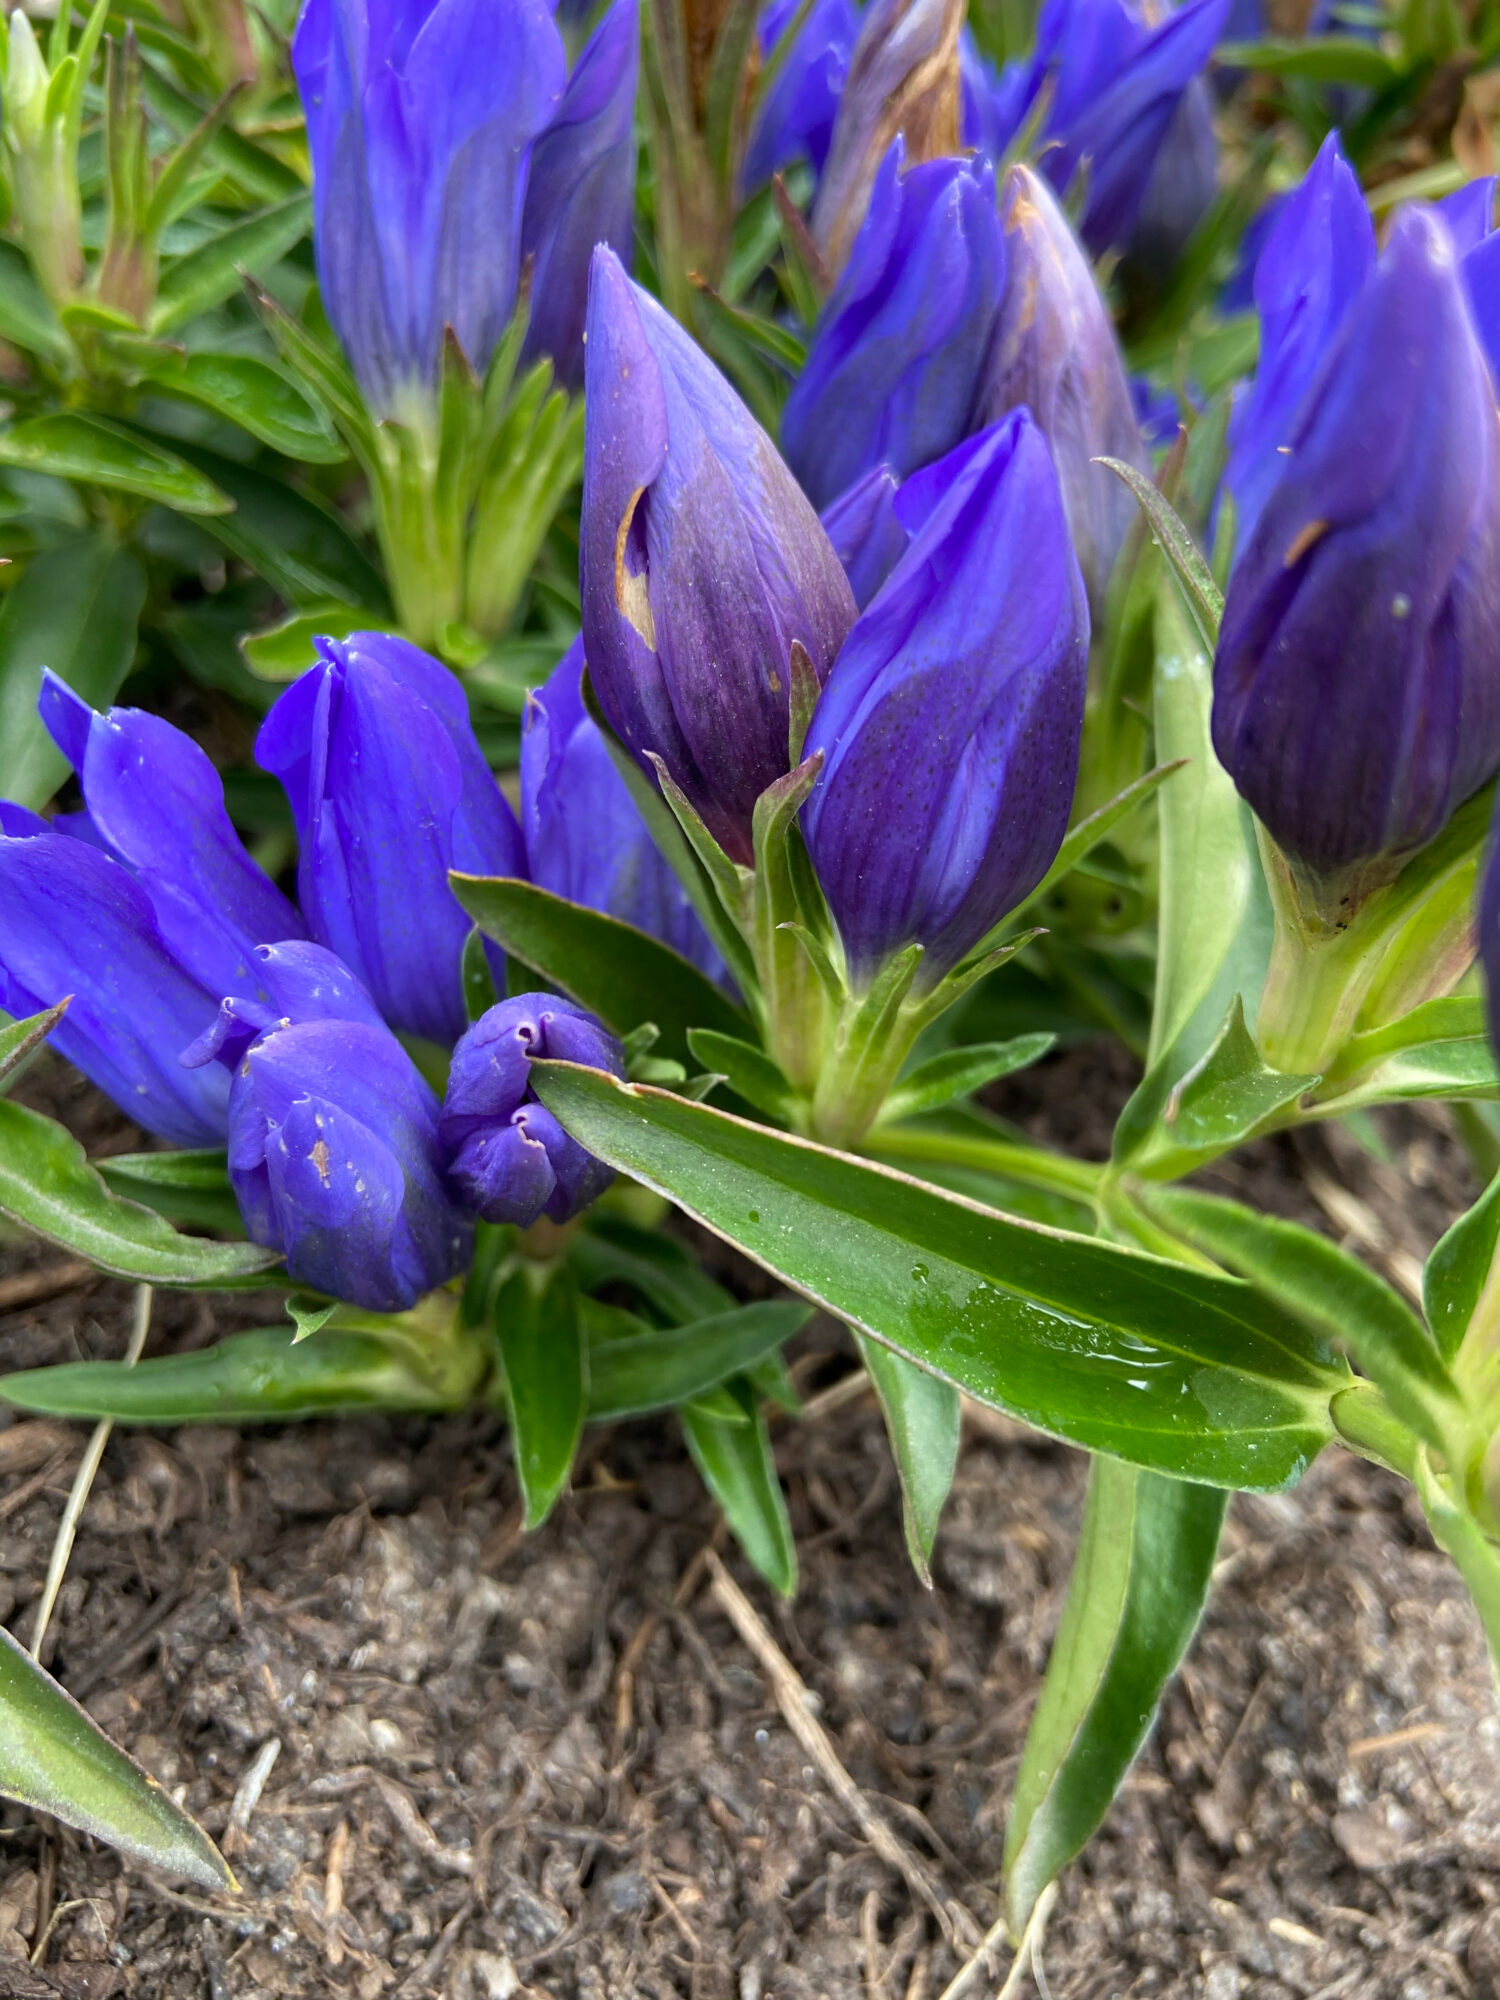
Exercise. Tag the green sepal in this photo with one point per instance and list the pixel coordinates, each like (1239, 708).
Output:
(960, 1072)
(748, 1070)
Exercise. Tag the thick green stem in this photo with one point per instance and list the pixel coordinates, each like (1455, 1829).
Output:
(1030, 1166)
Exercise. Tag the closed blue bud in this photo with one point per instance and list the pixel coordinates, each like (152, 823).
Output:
(294, 981)
(1182, 184)
(1356, 698)
(1117, 75)
(1054, 353)
(896, 358)
(950, 725)
(510, 1160)
(905, 79)
(389, 791)
(74, 921)
(702, 562)
(794, 117)
(866, 531)
(581, 189)
(421, 115)
(1318, 254)
(334, 1160)
(585, 838)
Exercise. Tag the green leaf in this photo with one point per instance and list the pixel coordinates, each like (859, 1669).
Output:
(1459, 1271)
(269, 1375)
(960, 1072)
(1140, 1580)
(19, 1040)
(251, 393)
(26, 319)
(74, 610)
(70, 446)
(191, 1188)
(284, 652)
(735, 1462)
(55, 1759)
(617, 972)
(1178, 1369)
(653, 1371)
(1081, 840)
(299, 547)
(922, 1419)
(1460, 1068)
(214, 270)
(1328, 1290)
(748, 1071)
(608, 1250)
(1473, 1553)
(1316, 59)
(537, 1325)
(1228, 1096)
(47, 1184)
(1203, 597)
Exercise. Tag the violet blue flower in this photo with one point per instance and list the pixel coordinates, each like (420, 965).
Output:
(896, 357)
(867, 532)
(421, 115)
(389, 791)
(702, 562)
(950, 725)
(1356, 699)
(585, 838)
(794, 117)
(510, 1160)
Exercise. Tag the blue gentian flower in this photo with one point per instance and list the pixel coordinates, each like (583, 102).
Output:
(950, 724)
(866, 531)
(794, 117)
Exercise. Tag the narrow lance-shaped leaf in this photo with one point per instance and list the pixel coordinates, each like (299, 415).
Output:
(922, 1419)
(1461, 1271)
(540, 1336)
(655, 1370)
(55, 1759)
(1181, 1370)
(71, 446)
(1139, 1583)
(734, 1459)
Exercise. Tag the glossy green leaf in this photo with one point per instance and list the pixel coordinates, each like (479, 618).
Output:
(617, 972)
(191, 1189)
(959, 1073)
(1139, 1584)
(540, 1333)
(1328, 1290)
(284, 652)
(736, 1465)
(251, 393)
(1178, 1369)
(748, 1070)
(55, 1759)
(1456, 1069)
(653, 1371)
(75, 610)
(215, 270)
(1460, 1270)
(299, 547)
(265, 1376)
(1344, 59)
(47, 1184)
(1227, 1096)
(922, 1419)
(26, 319)
(97, 453)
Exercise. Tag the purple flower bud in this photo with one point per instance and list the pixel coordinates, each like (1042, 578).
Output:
(794, 119)
(1318, 254)
(582, 189)
(585, 838)
(510, 1159)
(866, 531)
(1054, 353)
(389, 791)
(420, 119)
(904, 79)
(294, 982)
(1356, 701)
(896, 358)
(702, 562)
(1182, 184)
(334, 1160)
(75, 921)
(951, 722)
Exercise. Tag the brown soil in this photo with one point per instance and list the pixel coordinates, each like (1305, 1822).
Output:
(544, 1767)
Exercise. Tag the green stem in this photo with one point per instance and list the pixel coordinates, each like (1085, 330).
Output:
(1031, 1166)
(1365, 1422)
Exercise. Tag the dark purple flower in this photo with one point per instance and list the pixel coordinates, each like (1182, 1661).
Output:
(510, 1160)
(585, 838)
(896, 358)
(950, 724)
(1356, 698)
(389, 791)
(420, 120)
(702, 562)
(581, 189)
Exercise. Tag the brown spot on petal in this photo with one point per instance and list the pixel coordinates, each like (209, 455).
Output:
(1303, 541)
(631, 596)
(319, 1157)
